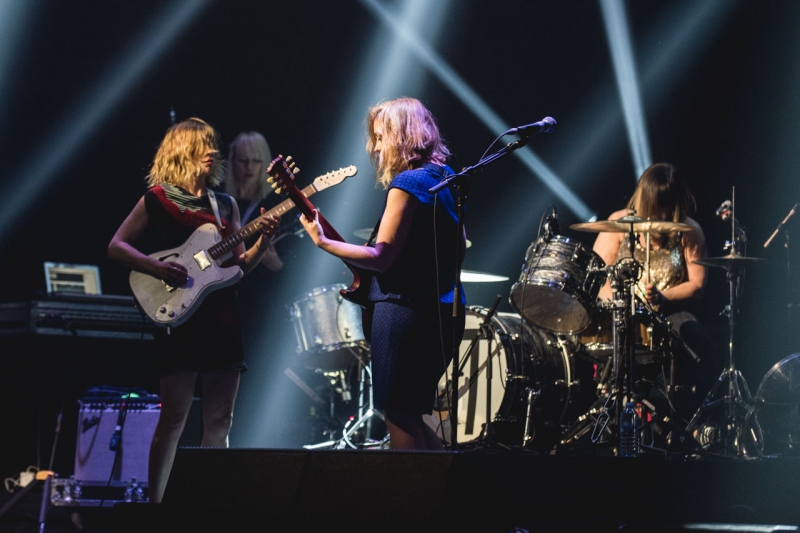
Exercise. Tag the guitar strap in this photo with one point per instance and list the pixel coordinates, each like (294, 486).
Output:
(213, 199)
(374, 234)
(248, 211)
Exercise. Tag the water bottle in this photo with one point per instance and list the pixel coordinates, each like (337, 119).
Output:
(629, 432)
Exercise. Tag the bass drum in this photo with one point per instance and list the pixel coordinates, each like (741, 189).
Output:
(523, 357)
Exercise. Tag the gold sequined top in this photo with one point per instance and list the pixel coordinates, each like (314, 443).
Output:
(667, 264)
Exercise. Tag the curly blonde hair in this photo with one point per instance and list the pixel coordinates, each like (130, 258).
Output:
(258, 144)
(410, 138)
(177, 160)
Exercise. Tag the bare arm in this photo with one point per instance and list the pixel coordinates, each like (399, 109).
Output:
(392, 235)
(248, 259)
(121, 249)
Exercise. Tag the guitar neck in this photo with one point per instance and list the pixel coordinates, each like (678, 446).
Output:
(232, 241)
(306, 207)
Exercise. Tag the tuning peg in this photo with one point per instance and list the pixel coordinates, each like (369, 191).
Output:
(273, 185)
(295, 171)
(270, 179)
(278, 190)
(288, 159)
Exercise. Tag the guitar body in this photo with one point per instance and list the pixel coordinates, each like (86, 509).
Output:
(171, 307)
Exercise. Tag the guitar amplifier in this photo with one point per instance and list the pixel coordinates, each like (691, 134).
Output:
(94, 458)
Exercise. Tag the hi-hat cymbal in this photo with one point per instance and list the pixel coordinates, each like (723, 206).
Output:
(473, 276)
(639, 225)
(731, 261)
(366, 233)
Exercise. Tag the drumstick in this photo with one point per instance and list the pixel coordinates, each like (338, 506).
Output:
(647, 256)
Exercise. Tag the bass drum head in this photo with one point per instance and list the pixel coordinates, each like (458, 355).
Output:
(523, 357)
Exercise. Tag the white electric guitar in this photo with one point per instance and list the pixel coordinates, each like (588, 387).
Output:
(202, 254)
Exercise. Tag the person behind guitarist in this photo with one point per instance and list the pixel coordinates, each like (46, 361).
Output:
(206, 350)
(413, 261)
(246, 183)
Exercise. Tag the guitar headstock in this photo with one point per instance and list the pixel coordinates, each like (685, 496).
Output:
(334, 177)
(281, 174)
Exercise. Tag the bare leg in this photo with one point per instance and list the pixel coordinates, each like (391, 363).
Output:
(406, 431)
(219, 394)
(177, 392)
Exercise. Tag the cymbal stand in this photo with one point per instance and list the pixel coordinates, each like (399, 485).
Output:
(737, 398)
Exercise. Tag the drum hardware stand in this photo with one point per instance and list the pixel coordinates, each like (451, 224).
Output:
(737, 398)
(366, 411)
(530, 430)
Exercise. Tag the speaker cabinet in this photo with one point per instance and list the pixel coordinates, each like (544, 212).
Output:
(94, 460)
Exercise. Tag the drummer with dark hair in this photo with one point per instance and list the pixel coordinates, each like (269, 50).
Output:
(672, 283)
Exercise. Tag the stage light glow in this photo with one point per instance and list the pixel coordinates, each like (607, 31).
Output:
(477, 105)
(386, 71)
(15, 17)
(619, 42)
(673, 43)
(76, 129)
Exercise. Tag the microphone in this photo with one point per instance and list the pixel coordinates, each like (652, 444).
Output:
(546, 125)
(780, 226)
(724, 211)
(551, 224)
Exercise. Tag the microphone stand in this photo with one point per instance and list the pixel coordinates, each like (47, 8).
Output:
(462, 193)
(792, 292)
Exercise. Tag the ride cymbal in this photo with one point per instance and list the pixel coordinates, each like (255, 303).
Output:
(625, 224)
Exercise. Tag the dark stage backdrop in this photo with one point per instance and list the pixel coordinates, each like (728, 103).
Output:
(718, 86)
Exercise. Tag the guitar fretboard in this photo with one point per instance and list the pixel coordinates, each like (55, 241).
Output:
(231, 241)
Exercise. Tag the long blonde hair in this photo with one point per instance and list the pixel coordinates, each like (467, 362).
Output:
(178, 159)
(258, 143)
(410, 138)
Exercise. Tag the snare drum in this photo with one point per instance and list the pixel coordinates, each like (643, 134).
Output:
(559, 284)
(328, 329)
(522, 357)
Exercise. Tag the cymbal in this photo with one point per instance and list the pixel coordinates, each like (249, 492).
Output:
(366, 233)
(624, 224)
(731, 261)
(363, 233)
(473, 276)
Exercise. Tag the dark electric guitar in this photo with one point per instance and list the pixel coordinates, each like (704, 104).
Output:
(203, 254)
(282, 171)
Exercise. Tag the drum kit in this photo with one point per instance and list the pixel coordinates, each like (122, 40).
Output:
(554, 375)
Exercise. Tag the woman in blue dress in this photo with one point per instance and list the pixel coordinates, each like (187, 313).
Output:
(414, 265)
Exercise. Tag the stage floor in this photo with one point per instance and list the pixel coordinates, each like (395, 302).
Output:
(481, 490)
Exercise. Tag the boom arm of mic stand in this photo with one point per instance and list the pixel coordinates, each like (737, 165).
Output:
(482, 164)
